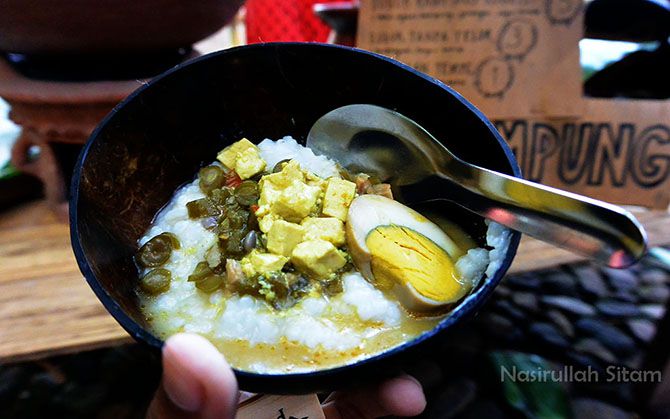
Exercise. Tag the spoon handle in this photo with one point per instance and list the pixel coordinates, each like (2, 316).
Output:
(596, 229)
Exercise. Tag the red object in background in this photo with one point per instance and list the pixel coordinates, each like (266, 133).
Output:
(284, 20)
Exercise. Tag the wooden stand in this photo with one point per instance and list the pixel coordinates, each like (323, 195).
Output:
(55, 113)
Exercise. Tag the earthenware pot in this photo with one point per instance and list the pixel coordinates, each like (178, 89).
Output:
(158, 138)
(68, 27)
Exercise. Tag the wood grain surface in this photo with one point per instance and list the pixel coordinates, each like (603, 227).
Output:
(47, 308)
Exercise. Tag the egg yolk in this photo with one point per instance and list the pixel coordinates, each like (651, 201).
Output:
(406, 257)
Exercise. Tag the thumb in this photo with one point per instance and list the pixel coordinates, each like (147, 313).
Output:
(197, 381)
(401, 396)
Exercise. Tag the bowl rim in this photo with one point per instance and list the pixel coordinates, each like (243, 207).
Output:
(466, 308)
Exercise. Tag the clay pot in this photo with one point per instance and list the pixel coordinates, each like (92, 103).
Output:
(108, 26)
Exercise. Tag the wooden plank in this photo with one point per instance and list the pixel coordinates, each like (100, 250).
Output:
(46, 307)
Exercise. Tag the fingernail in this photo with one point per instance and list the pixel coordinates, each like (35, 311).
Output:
(180, 386)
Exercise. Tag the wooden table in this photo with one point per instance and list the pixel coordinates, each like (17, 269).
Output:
(46, 307)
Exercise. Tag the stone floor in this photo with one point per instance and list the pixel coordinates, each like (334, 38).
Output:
(575, 317)
(580, 316)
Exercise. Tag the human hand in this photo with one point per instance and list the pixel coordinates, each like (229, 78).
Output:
(198, 383)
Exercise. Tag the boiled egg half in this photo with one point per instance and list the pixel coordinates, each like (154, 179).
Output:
(400, 250)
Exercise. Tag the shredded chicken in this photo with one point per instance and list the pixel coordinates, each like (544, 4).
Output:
(362, 183)
(383, 189)
(365, 186)
(234, 272)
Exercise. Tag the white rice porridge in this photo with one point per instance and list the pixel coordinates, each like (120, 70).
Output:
(320, 330)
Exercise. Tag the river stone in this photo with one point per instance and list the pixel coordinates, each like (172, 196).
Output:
(526, 300)
(549, 334)
(11, 379)
(653, 311)
(618, 309)
(592, 347)
(625, 296)
(589, 326)
(583, 361)
(452, 399)
(654, 293)
(621, 279)
(643, 329)
(634, 361)
(501, 291)
(591, 281)
(524, 281)
(654, 276)
(506, 308)
(562, 322)
(499, 326)
(610, 336)
(569, 304)
(559, 283)
(596, 409)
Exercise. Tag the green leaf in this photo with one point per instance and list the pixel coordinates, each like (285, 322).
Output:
(8, 171)
(529, 386)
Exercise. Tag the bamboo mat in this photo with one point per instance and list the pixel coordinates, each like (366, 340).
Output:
(46, 307)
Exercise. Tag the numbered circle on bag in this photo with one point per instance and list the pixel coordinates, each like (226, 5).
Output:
(494, 77)
(517, 38)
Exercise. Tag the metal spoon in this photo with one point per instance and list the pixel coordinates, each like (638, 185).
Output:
(376, 140)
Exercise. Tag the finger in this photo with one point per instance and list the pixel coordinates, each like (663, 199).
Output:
(197, 381)
(400, 396)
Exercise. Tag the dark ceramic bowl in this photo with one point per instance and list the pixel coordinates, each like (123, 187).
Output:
(157, 138)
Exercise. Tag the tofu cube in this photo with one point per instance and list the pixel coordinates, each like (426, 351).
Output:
(243, 157)
(265, 223)
(283, 237)
(296, 202)
(249, 163)
(260, 263)
(271, 188)
(338, 197)
(317, 258)
(228, 155)
(289, 174)
(328, 229)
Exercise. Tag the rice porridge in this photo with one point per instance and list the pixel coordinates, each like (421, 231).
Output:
(288, 263)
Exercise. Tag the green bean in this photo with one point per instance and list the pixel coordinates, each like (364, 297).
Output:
(247, 193)
(211, 178)
(204, 277)
(232, 242)
(201, 271)
(156, 281)
(173, 240)
(201, 208)
(221, 196)
(210, 284)
(157, 251)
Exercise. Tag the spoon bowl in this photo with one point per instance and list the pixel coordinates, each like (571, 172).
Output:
(373, 139)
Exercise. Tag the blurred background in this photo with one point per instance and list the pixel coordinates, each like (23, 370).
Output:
(65, 64)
